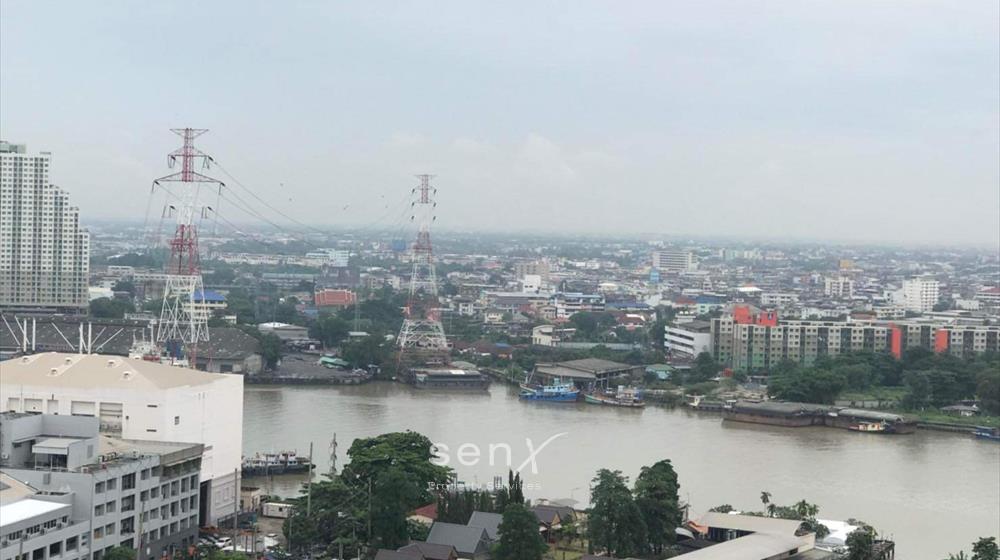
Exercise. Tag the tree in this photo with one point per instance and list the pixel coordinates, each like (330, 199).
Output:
(337, 511)
(918, 390)
(704, 368)
(392, 497)
(656, 490)
(519, 537)
(119, 553)
(811, 385)
(408, 451)
(985, 549)
(107, 308)
(988, 391)
(330, 330)
(860, 543)
(615, 522)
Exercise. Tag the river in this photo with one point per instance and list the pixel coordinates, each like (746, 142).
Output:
(932, 492)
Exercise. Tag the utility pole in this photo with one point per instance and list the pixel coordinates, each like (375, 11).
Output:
(309, 479)
(236, 505)
(369, 511)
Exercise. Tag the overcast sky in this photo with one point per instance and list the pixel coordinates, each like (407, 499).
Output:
(861, 121)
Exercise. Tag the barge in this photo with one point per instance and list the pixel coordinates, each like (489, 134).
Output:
(797, 415)
(449, 378)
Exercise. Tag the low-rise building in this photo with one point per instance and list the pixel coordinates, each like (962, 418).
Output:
(93, 492)
(140, 400)
(690, 339)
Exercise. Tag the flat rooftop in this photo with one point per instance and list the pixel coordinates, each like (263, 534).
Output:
(26, 509)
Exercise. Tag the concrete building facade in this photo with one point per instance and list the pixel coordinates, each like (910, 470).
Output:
(673, 261)
(109, 491)
(920, 294)
(139, 400)
(690, 339)
(44, 253)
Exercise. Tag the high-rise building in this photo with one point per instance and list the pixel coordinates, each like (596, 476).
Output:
(44, 254)
(673, 261)
(920, 294)
(839, 287)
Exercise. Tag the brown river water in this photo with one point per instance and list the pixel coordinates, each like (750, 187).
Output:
(932, 492)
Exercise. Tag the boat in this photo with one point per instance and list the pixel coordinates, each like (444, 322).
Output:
(283, 462)
(628, 397)
(557, 392)
(985, 432)
(873, 427)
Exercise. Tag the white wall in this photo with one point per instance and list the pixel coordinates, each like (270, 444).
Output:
(210, 414)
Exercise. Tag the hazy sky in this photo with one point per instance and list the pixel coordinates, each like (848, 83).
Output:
(875, 121)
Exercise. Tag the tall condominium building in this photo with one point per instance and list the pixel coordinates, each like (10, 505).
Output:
(44, 254)
(673, 261)
(920, 294)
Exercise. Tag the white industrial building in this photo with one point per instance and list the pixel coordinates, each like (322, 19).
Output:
(44, 254)
(141, 400)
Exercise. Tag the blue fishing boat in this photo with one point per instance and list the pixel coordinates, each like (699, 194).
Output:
(557, 392)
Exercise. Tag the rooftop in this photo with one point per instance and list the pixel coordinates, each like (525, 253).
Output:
(64, 370)
(26, 509)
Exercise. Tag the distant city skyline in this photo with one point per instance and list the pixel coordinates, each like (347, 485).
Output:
(848, 122)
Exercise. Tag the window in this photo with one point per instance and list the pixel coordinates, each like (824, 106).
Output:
(177, 420)
(112, 484)
(128, 481)
(55, 548)
(99, 488)
(98, 533)
(144, 475)
(109, 529)
(99, 510)
(110, 507)
(72, 543)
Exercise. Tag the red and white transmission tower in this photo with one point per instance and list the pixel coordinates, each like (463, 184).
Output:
(422, 338)
(184, 318)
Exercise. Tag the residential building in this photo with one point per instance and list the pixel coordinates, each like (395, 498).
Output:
(89, 493)
(538, 268)
(141, 400)
(44, 253)
(778, 299)
(689, 340)
(920, 294)
(759, 347)
(469, 542)
(566, 304)
(550, 335)
(989, 298)
(840, 287)
(673, 261)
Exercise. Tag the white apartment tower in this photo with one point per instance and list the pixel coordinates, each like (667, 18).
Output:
(840, 287)
(673, 261)
(44, 255)
(920, 294)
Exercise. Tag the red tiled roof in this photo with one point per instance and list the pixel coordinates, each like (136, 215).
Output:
(430, 511)
(334, 298)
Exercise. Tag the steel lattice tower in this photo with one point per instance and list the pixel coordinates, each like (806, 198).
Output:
(422, 338)
(183, 318)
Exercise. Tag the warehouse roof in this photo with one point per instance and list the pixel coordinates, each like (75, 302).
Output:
(96, 370)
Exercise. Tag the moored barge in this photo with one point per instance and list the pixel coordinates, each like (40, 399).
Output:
(797, 415)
